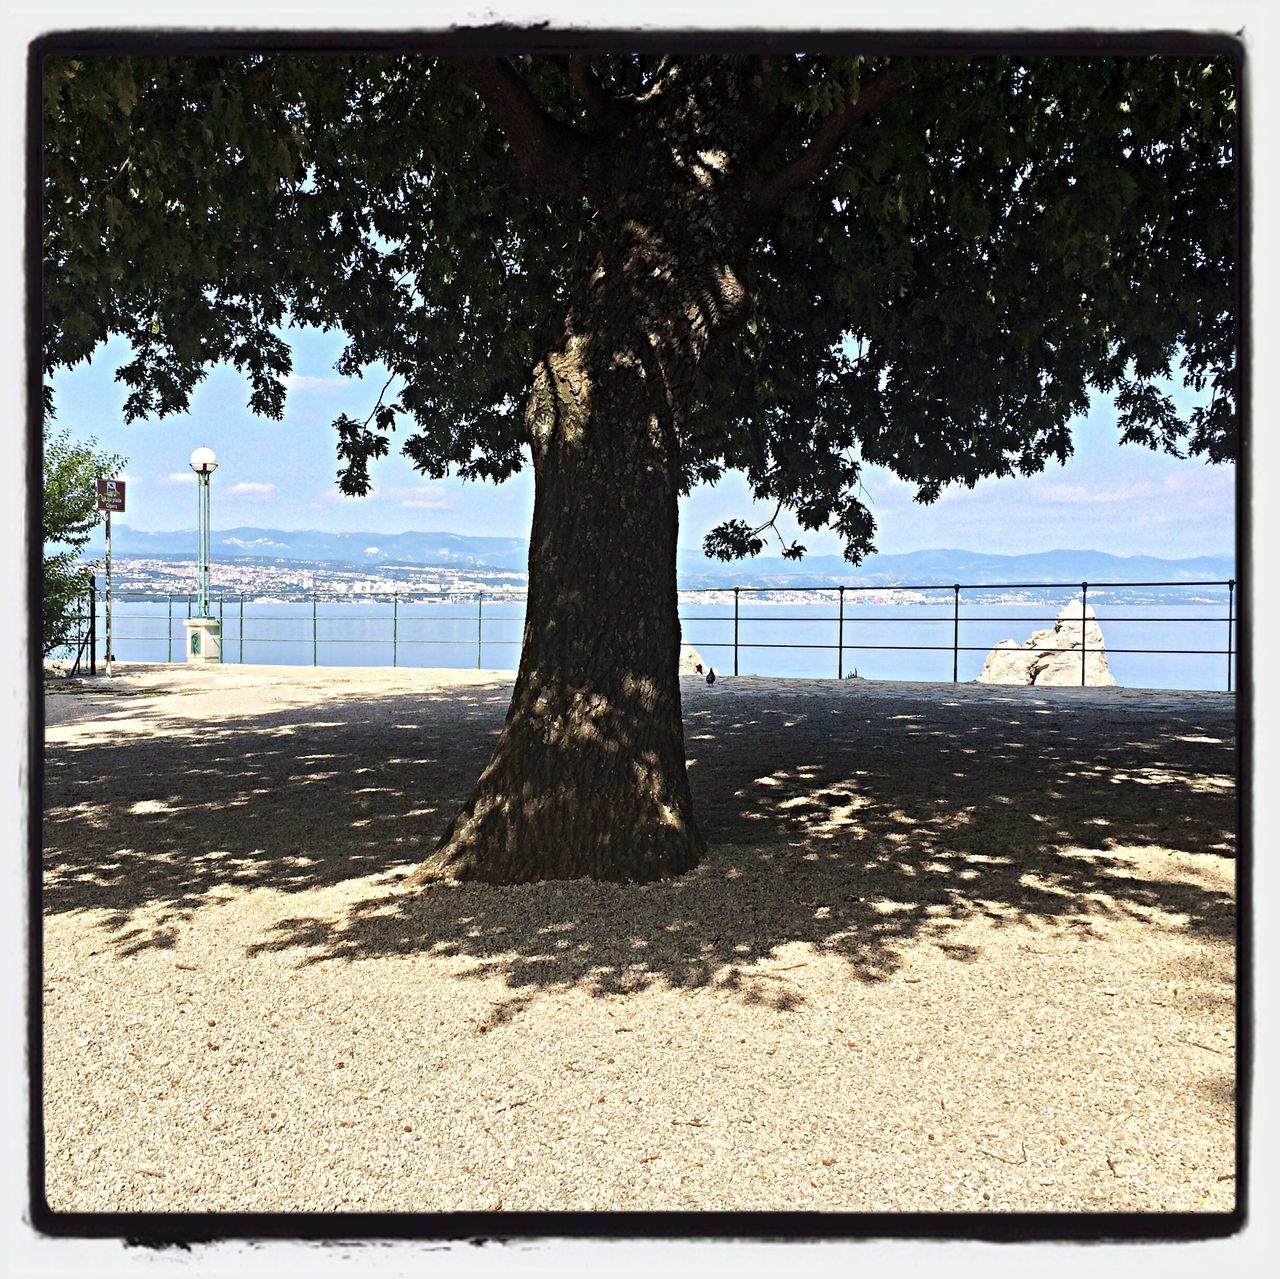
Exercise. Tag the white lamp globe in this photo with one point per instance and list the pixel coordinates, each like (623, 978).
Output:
(203, 461)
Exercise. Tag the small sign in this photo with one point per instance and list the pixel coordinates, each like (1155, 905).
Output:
(111, 495)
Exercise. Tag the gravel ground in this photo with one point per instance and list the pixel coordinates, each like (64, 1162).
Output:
(953, 948)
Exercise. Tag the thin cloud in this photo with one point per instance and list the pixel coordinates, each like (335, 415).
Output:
(336, 497)
(252, 490)
(1079, 495)
(1181, 485)
(303, 384)
(413, 499)
(1030, 490)
(180, 477)
(429, 501)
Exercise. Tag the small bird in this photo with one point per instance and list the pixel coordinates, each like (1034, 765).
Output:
(698, 667)
(711, 676)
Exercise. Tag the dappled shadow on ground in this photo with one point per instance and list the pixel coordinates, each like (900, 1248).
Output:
(295, 798)
(859, 823)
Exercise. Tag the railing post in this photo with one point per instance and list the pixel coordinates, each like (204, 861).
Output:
(479, 629)
(840, 640)
(955, 635)
(1231, 600)
(1084, 631)
(395, 626)
(222, 634)
(169, 629)
(735, 629)
(315, 632)
(241, 628)
(93, 624)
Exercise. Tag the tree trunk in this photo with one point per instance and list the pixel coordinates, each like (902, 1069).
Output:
(588, 777)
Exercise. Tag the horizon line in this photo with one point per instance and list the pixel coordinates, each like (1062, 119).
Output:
(926, 550)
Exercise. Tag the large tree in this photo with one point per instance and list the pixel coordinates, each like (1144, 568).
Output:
(638, 272)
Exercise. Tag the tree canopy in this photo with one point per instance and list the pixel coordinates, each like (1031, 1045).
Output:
(936, 286)
(638, 272)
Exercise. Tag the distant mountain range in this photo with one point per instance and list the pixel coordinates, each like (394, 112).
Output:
(943, 567)
(367, 550)
(459, 551)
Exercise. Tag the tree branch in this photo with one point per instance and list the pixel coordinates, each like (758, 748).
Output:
(112, 180)
(550, 156)
(579, 69)
(378, 404)
(766, 117)
(772, 523)
(826, 141)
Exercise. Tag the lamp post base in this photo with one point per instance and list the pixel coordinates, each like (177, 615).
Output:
(204, 639)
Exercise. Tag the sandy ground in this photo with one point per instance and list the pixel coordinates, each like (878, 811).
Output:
(953, 948)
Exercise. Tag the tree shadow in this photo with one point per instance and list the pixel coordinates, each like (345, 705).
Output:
(163, 821)
(860, 820)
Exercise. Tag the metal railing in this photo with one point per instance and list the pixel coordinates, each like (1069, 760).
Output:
(82, 646)
(955, 648)
(402, 612)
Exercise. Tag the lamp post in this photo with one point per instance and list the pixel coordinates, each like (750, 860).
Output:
(203, 463)
(204, 631)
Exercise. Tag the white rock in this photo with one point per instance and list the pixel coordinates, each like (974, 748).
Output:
(691, 661)
(1006, 664)
(1052, 658)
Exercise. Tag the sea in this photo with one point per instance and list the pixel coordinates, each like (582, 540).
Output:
(1152, 644)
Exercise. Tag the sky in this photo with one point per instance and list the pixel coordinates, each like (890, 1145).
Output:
(1123, 499)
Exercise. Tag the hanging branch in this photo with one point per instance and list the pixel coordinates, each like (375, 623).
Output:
(378, 402)
(581, 71)
(551, 157)
(736, 538)
(822, 148)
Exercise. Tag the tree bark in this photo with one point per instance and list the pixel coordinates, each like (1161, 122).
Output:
(588, 777)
